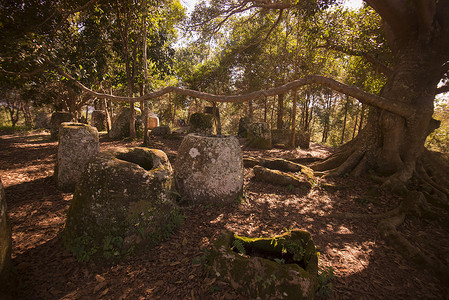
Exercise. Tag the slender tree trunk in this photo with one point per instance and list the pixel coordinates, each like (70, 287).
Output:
(145, 75)
(279, 122)
(293, 129)
(344, 120)
(355, 125)
(108, 115)
(265, 109)
(250, 110)
(362, 117)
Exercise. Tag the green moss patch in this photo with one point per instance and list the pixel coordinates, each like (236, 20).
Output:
(280, 267)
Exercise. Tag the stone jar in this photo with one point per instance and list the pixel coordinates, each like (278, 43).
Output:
(98, 120)
(209, 169)
(78, 143)
(278, 267)
(122, 200)
(259, 136)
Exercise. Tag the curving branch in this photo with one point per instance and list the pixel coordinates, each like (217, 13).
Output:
(396, 107)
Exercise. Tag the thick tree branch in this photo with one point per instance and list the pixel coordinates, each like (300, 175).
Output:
(392, 12)
(425, 11)
(399, 108)
(379, 66)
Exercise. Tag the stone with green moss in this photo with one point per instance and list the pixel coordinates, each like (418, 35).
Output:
(279, 267)
(287, 166)
(259, 136)
(123, 201)
(202, 123)
(5, 239)
(282, 178)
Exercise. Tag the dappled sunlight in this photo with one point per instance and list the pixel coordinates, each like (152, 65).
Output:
(364, 267)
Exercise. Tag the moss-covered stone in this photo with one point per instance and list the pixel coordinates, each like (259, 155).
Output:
(281, 178)
(5, 239)
(280, 267)
(202, 123)
(259, 136)
(122, 201)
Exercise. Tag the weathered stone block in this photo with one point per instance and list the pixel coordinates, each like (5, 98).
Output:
(123, 200)
(5, 239)
(78, 143)
(56, 119)
(259, 136)
(161, 130)
(280, 267)
(209, 169)
(98, 120)
(202, 123)
(120, 126)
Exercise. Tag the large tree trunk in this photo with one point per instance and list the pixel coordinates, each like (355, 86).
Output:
(391, 144)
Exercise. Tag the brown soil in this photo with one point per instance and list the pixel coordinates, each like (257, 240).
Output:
(364, 266)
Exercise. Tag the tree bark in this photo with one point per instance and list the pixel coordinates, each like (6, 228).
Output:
(391, 144)
(279, 122)
(293, 129)
(344, 120)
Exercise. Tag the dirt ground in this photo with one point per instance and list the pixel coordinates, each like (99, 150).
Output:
(364, 266)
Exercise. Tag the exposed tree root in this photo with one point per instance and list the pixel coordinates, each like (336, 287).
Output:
(421, 204)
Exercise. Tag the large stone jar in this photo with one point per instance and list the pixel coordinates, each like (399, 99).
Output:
(279, 267)
(122, 201)
(5, 239)
(78, 143)
(209, 169)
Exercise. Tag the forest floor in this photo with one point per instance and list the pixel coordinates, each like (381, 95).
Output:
(365, 267)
